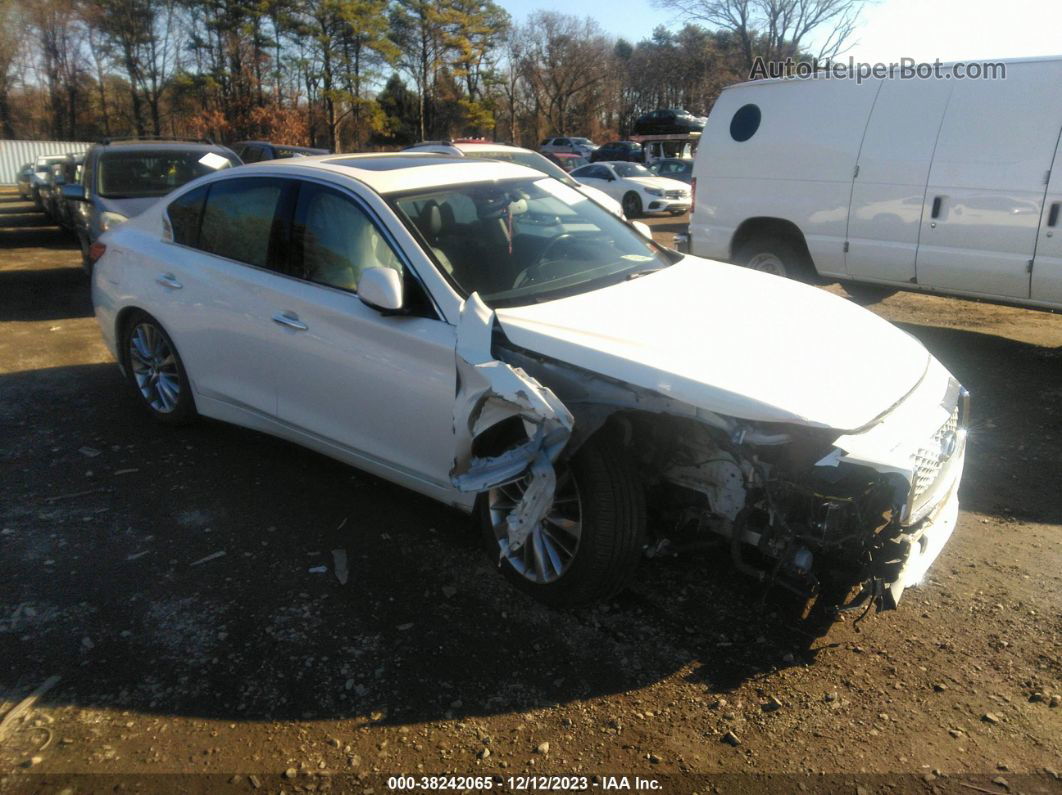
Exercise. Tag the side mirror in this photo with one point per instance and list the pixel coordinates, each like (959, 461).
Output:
(74, 191)
(381, 288)
(610, 178)
(643, 228)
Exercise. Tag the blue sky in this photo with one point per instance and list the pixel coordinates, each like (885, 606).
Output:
(891, 29)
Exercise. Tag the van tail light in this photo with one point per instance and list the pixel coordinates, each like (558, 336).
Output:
(96, 250)
(693, 194)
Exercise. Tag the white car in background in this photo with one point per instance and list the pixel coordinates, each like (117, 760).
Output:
(638, 190)
(568, 145)
(520, 156)
(487, 336)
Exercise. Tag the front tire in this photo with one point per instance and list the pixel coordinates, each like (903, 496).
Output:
(632, 205)
(155, 370)
(777, 256)
(590, 543)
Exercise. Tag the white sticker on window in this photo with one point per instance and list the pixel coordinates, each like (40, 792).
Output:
(214, 160)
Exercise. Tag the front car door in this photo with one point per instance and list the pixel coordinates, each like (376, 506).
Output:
(375, 387)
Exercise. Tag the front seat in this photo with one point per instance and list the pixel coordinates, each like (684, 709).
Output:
(431, 226)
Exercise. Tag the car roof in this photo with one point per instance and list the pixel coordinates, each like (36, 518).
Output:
(397, 172)
(161, 146)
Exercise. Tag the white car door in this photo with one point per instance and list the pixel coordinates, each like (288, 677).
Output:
(601, 177)
(217, 290)
(379, 385)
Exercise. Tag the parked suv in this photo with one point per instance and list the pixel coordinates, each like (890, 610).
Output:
(256, 151)
(120, 179)
(663, 122)
(574, 146)
(619, 150)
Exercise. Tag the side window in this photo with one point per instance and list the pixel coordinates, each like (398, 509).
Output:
(561, 142)
(184, 213)
(251, 154)
(238, 219)
(335, 241)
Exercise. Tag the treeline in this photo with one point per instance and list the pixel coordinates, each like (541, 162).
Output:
(343, 74)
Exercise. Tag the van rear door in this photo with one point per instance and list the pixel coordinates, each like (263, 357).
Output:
(1047, 265)
(889, 189)
(986, 185)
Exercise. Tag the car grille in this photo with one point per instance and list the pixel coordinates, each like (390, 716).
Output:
(932, 458)
(674, 194)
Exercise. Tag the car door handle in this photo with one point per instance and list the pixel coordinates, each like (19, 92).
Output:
(1052, 215)
(936, 207)
(168, 280)
(291, 320)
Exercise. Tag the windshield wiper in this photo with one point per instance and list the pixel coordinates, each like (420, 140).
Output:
(644, 272)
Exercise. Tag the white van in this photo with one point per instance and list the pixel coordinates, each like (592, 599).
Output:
(942, 184)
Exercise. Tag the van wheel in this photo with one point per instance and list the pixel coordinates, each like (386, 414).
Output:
(589, 545)
(866, 294)
(632, 205)
(778, 257)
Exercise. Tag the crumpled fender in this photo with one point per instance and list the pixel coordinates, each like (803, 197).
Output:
(488, 392)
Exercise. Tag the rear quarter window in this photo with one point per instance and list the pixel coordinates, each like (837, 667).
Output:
(184, 214)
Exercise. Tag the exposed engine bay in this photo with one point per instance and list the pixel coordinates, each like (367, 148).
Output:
(792, 506)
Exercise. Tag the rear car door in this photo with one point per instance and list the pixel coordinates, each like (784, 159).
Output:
(380, 385)
(222, 286)
(986, 186)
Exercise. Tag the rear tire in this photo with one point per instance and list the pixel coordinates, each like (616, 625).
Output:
(155, 370)
(632, 205)
(611, 516)
(777, 256)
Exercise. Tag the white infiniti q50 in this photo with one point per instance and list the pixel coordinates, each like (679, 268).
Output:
(491, 338)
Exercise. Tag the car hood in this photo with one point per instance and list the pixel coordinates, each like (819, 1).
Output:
(663, 183)
(128, 207)
(733, 341)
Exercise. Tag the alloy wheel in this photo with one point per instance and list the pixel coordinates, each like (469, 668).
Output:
(551, 547)
(154, 366)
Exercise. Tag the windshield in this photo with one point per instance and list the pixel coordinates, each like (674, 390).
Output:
(632, 170)
(529, 159)
(141, 174)
(522, 241)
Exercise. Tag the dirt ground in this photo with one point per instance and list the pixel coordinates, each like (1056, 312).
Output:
(170, 579)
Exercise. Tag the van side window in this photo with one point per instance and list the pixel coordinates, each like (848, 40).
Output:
(745, 122)
(184, 213)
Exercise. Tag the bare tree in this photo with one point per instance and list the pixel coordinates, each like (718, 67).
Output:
(777, 29)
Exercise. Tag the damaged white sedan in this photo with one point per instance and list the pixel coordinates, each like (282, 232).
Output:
(495, 340)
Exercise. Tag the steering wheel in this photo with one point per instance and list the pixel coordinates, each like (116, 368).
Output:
(531, 273)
